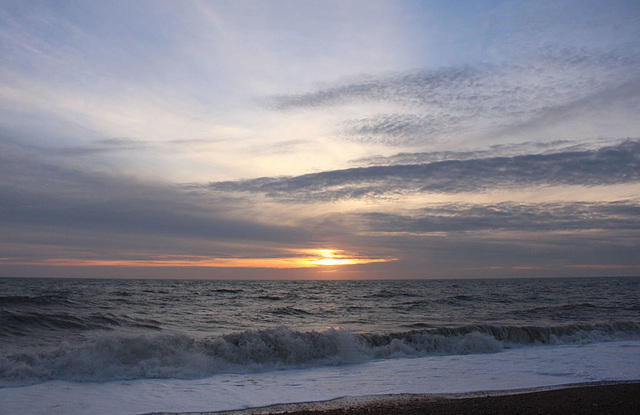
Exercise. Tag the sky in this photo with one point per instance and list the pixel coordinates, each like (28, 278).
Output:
(319, 139)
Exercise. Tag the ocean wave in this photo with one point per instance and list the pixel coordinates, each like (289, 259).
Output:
(37, 300)
(116, 357)
(270, 297)
(389, 294)
(289, 311)
(227, 291)
(24, 322)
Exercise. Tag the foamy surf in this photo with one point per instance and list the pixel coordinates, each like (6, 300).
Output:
(115, 357)
(524, 367)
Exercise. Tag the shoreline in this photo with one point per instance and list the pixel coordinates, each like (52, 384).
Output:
(606, 397)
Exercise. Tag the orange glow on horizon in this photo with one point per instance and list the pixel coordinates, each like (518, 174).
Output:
(306, 259)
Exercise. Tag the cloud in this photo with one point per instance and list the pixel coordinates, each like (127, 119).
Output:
(554, 75)
(398, 129)
(604, 166)
(38, 192)
(438, 103)
(509, 216)
(128, 145)
(421, 88)
(130, 214)
(501, 150)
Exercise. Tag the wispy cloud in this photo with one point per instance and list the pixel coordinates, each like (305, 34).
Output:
(558, 217)
(399, 129)
(605, 166)
(437, 103)
(498, 150)
(483, 89)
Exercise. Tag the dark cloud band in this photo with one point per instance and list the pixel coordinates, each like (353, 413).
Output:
(574, 216)
(605, 166)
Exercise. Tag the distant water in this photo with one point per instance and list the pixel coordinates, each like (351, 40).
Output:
(106, 330)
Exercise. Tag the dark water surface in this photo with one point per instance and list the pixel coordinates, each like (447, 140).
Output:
(100, 330)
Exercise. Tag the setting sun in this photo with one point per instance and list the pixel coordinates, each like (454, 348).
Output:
(330, 257)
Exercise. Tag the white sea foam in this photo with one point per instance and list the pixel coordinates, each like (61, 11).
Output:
(116, 357)
(523, 367)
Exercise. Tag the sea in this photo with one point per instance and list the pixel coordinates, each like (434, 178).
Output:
(118, 346)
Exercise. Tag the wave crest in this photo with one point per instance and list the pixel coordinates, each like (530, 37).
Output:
(115, 357)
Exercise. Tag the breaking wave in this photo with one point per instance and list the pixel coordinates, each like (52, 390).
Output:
(115, 357)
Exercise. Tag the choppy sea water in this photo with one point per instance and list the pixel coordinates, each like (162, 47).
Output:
(106, 334)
